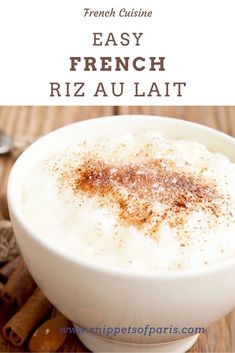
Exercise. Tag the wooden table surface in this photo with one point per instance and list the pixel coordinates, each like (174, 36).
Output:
(32, 122)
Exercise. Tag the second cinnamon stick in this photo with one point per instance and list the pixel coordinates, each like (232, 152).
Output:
(19, 286)
(27, 318)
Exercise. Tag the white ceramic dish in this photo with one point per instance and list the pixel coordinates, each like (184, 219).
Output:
(92, 295)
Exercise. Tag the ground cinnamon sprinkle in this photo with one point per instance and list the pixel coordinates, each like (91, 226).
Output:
(135, 188)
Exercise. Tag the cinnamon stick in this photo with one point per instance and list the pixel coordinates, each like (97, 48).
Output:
(5, 315)
(4, 206)
(5, 346)
(47, 337)
(19, 327)
(19, 286)
(8, 269)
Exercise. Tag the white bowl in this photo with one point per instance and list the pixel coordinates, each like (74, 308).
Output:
(92, 295)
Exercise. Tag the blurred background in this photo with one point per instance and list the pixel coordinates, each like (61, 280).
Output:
(25, 124)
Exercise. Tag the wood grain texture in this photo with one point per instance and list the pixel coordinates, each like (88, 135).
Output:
(33, 122)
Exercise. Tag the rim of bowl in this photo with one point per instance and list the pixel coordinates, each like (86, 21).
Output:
(93, 265)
